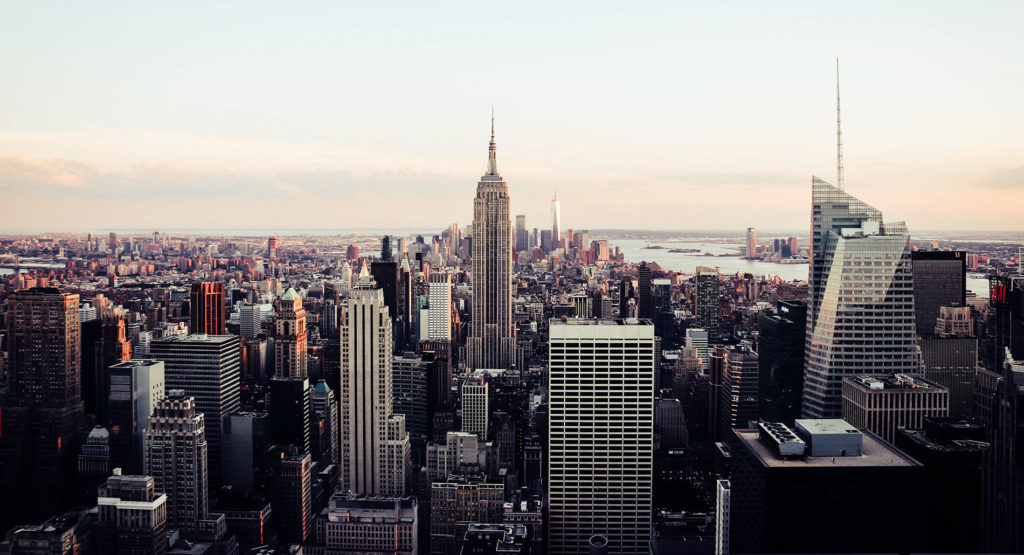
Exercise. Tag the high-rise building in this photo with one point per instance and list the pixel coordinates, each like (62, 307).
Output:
(818, 475)
(950, 358)
(794, 246)
(42, 414)
(290, 349)
(459, 500)
(410, 379)
(246, 436)
(600, 436)
(697, 338)
(458, 448)
(860, 317)
(132, 515)
(707, 302)
(250, 321)
(556, 222)
(474, 406)
(439, 315)
(1002, 469)
(175, 444)
(374, 443)
(739, 392)
(208, 368)
(884, 404)
(522, 239)
(324, 406)
(289, 412)
(206, 308)
(136, 386)
(780, 351)
(644, 293)
(272, 248)
(492, 338)
(752, 243)
(293, 497)
(940, 279)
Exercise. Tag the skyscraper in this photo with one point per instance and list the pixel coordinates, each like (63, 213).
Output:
(556, 222)
(860, 317)
(492, 338)
(940, 279)
(289, 412)
(290, 349)
(272, 248)
(522, 239)
(208, 368)
(176, 459)
(474, 407)
(43, 410)
(323, 404)
(132, 516)
(136, 386)
(374, 443)
(439, 315)
(752, 243)
(780, 352)
(601, 435)
(644, 292)
(206, 308)
(708, 290)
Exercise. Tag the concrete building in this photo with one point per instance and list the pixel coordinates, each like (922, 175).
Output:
(374, 443)
(601, 424)
(176, 458)
(707, 302)
(459, 448)
(290, 338)
(132, 515)
(439, 313)
(475, 413)
(459, 500)
(884, 404)
(250, 318)
(354, 523)
(752, 243)
(136, 386)
(492, 337)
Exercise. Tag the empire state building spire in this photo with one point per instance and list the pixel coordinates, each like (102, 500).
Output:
(492, 152)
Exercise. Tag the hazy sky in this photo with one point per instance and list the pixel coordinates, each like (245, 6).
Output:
(663, 116)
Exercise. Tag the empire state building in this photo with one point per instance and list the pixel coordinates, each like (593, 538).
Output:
(492, 335)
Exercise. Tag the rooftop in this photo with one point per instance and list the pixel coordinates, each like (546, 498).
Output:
(893, 381)
(873, 452)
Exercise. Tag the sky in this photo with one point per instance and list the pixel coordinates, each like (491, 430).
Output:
(679, 115)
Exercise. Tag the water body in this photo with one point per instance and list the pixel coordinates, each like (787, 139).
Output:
(687, 262)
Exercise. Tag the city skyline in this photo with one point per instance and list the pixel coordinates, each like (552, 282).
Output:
(703, 101)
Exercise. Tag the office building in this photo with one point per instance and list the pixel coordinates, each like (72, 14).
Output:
(459, 500)
(250, 319)
(439, 313)
(522, 239)
(42, 413)
(136, 386)
(780, 352)
(951, 451)
(374, 443)
(324, 407)
(289, 412)
(884, 404)
(739, 392)
(67, 533)
(940, 279)
(272, 248)
(207, 368)
(246, 437)
(176, 458)
(644, 293)
(458, 449)
(410, 379)
(1002, 509)
(492, 338)
(290, 349)
(131, 516)
(556, 222)
(752, 243)
(723, 502)
(707, 303)
(206, 308)
(803, 490)
(354, 523)
(1006, 325)
(600, 437)
(474, 406)
(950, 358)
(697, 338)
(292, 501)
(860, 313)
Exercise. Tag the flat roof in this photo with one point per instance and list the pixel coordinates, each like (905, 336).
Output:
(826, 425)
(873, 453)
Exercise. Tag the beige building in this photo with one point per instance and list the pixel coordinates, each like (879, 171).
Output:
(884, 404)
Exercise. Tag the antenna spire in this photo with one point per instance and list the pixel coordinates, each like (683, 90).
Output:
(839, 135)
(492, 151)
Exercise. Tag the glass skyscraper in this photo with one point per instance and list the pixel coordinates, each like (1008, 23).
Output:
(860, 318)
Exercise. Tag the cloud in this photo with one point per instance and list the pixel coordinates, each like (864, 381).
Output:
(1004, 178)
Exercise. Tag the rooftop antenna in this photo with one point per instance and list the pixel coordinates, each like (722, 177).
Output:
(839, 135)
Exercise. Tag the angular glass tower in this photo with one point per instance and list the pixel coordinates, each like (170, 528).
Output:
(860, 317)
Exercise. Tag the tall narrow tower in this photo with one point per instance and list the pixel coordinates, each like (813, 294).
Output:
(556, 221)
(492, 335)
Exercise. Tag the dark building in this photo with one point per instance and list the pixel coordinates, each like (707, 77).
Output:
(867, 501)
(940, 279)
(206, 308)
(41, 418)
(626, 292)
(289, 412)
(780, 351)
(410, 393)
(1002, 513)
(385, 249)
(644, 293)
(951, 451)
(1006, 327)
(132, 516)
(738, 394)
(707, 303)
(208, 368)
